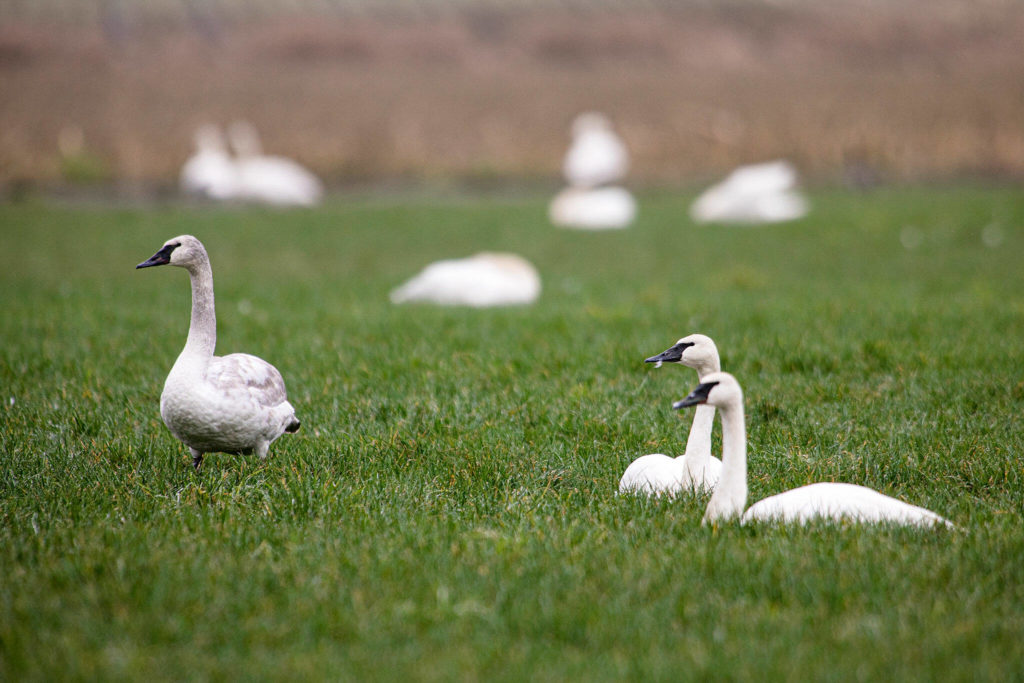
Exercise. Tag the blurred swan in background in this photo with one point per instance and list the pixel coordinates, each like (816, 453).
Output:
(270, 180)
(210, 173)
(602, 208)
(485, 279)
(760, 193)
(597, 155)
(596, 158)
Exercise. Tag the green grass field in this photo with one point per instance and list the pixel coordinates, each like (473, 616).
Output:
(448, 510)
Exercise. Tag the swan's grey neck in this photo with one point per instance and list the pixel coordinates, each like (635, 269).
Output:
(698, 444)
(202, 330)
(730, 496)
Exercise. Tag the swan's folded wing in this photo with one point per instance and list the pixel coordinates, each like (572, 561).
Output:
(240, 373)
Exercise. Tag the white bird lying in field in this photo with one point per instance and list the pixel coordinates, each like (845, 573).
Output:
(596, 155)
(217, 404)
(485, 279)
(824, 501)
(210, 173)
(761, 193)
(696, 470)
(270, 180)
(599, 208)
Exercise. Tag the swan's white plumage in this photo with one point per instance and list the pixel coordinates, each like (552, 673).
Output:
(267, 179)
(485, 279)
(823, 501)
(596, 155)
(210, 172)
(231, 404)
(600, 208)
(760, 193)
(838, 501)
(696, 470)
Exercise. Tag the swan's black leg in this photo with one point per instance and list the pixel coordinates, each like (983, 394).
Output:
(197, 459)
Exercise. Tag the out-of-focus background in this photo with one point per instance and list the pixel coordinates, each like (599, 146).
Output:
(108, 94)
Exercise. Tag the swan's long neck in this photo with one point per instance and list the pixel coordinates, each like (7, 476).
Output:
(202, 330)
(698, 443)
(730, 496)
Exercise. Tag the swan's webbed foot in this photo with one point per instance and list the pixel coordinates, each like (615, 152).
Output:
(197, 459)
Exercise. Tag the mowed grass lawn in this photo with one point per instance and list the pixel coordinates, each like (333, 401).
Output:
(448, 509)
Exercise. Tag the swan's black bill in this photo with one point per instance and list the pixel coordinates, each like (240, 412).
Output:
(160, 258)
(673, 355)
(696, 397)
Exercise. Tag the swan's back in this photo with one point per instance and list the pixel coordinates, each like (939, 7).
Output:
(278, 181)
(242, 375)
(653, 474)
(836, 501)
(602, 208)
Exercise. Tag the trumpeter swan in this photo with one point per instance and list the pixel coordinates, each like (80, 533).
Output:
(596, 155)
(210, 172)
(485, 279)
(696, 469)
(217, 404)
(271, 180)
(599, 208)
(828, 501)
(760, 193)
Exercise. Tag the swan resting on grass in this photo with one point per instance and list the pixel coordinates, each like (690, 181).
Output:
(696, 470)
(485, 279)
(217, 404)
(824, 501)
(598, 208)
(210, 173)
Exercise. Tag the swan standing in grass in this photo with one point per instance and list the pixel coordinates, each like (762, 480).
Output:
(696, 470)
(217, 404)
(760, 193)
(824, 501)
(596, 156)
(210, 172)
(271, 180)
(599, 208)
(485, 279)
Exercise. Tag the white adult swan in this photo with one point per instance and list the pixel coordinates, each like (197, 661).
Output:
(485, 279)
(272, 180)
(828, 501)
(217, 404)
(697, 469)
(596, 155)
(759, 193)
(210, 172)
(598, 208)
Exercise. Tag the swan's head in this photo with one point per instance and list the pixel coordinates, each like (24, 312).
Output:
(696, 351)
(590, 121)
(244, 139)
(718, 389)
(184, 251)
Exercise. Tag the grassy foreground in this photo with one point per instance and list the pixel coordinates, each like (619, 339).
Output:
(448, 509)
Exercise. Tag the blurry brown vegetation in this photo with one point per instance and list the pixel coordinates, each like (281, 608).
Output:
(858, 90)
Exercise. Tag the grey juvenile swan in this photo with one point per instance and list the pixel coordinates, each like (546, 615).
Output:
(217, 404)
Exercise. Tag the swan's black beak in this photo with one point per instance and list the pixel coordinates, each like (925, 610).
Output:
(696, 397)
(160, 258)
(673, 355)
